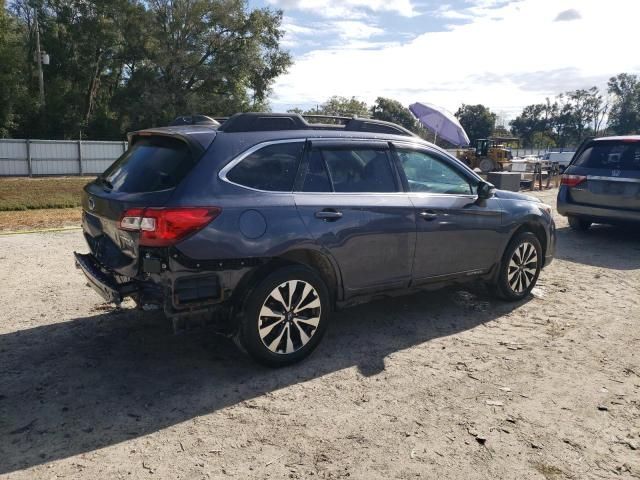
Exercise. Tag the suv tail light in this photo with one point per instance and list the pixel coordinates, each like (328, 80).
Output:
(163, 227)
(572, 180)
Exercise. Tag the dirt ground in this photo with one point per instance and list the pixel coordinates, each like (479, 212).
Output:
(449, 384)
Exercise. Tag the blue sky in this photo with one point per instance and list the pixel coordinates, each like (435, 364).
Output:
(504, 54)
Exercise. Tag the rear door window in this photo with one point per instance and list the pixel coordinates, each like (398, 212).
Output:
(358, 169)
(150, 165)
(272, 168)
(611, 155)
(316, 178)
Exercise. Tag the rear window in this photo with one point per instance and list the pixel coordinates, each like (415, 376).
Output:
(151, 165)
(272, 168)
(611, 155)
(359, 170)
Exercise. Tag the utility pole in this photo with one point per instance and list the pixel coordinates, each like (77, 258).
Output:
(39, 60)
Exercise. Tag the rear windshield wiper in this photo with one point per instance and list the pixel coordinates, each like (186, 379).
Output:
(105, 182)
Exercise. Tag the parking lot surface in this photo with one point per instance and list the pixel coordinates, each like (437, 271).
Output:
(447, 384)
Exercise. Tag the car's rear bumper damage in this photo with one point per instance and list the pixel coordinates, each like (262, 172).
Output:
(103, 282)
(180, 287)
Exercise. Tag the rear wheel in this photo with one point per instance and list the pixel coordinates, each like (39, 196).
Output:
(579, 224)
(520, 267)
(284, 316)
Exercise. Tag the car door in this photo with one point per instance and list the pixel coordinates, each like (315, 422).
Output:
(350, 200)
(457, 235)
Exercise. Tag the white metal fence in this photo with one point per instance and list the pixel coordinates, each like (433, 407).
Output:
(521, 152)
(57, 157)
(90, 157)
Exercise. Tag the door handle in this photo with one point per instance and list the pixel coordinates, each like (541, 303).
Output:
(428, 215)
(328, 215)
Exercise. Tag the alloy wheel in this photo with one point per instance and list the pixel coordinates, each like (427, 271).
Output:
(523, 267)
(289, 317)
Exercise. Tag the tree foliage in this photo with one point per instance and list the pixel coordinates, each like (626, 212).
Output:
(477, 120)
(566, 121)
(118, 65)
(11, 85)
(625, 110)
(391, 110)
(385, 109)
(338, 106)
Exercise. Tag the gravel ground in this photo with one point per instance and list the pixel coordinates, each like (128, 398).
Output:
(449, 384)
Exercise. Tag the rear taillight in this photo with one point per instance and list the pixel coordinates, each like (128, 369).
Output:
(162, 227)
(572, 180)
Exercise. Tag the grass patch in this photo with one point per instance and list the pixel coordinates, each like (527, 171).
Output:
(38, 193)
(16, 221)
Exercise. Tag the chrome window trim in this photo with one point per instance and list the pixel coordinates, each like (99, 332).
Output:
(613, 179)
(222, 174)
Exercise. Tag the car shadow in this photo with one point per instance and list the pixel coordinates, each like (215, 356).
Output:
(74, 387)
(606, 246)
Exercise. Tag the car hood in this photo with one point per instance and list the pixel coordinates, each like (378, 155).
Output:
(507, 195)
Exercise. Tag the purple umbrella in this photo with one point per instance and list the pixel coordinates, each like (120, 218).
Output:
(441, 122)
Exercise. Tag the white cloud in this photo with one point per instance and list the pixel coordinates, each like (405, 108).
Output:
(347, 8)
(336, 33)
(448, 12)
(507, 57)
(353, 29)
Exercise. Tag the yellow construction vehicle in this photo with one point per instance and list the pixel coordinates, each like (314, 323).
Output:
(490, 154)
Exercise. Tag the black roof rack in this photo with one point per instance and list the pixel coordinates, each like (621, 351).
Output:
(262, 122)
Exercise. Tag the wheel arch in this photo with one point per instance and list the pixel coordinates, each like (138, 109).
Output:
(316, 261)
(533, 226)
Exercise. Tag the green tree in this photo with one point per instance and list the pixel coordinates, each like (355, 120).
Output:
(567, 120)
(118, 65)
(477, 120)
(393, 111)
(542, 140)
(533, 119)
(338, 105)
(625, 110)
(11, 72)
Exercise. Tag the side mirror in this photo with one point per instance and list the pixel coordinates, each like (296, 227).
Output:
(485, 190)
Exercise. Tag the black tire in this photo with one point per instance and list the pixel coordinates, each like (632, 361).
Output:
(284, 330)
(515, 283)
(579, 224)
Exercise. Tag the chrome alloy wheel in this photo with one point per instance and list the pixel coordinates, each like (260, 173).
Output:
(289, 316)
(522, 267)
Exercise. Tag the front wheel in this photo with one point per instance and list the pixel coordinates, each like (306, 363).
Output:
(284, 316)
(487, 165)
(520, 267)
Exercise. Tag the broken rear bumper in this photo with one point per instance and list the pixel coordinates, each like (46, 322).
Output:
(101, 281)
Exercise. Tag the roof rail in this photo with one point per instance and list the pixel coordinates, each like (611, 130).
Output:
(264, 122)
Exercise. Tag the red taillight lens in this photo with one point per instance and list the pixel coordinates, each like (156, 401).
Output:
(572, 180)
(162, 227)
